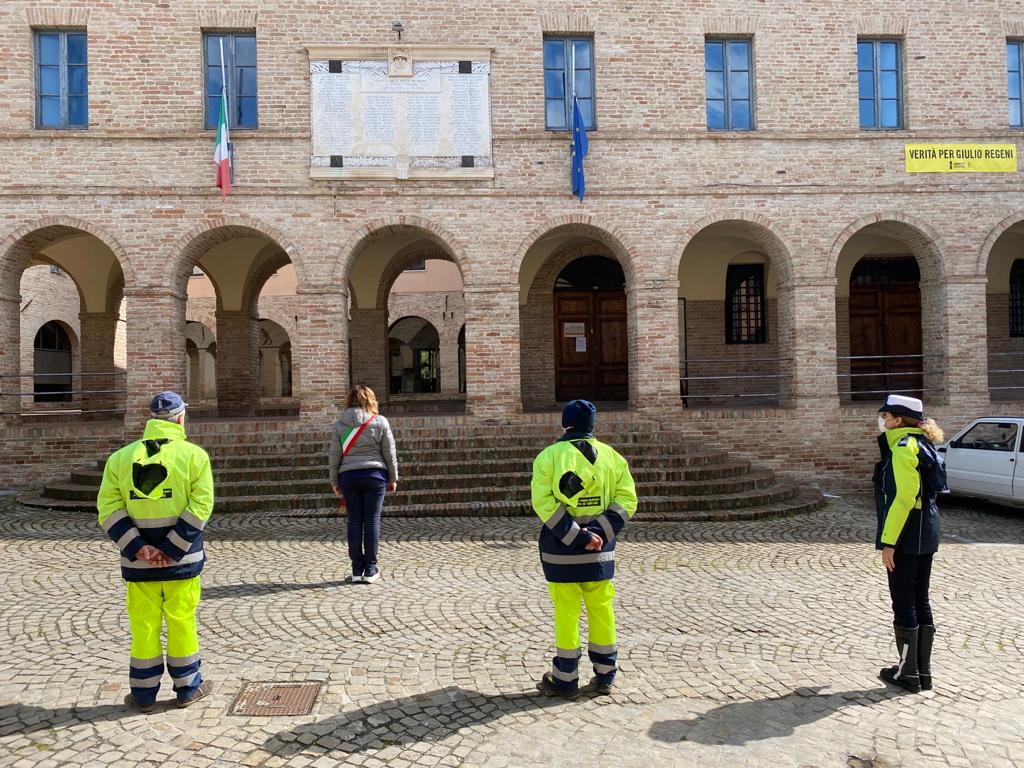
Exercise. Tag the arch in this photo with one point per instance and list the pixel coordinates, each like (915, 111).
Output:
(752, 226)
(583, 226)
(401, 261)
(985, 252)
(923, 240)
(257, 279)
(418, 335)
(189, 249)
(381, 228)
(17, 247)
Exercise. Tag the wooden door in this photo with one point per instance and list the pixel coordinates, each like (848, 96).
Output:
(591, 345)
(885, 321)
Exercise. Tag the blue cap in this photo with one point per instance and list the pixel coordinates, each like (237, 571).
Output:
(167, 404)
(579, 415)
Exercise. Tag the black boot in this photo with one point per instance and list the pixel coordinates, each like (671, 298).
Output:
(925, 638)
(905, 673)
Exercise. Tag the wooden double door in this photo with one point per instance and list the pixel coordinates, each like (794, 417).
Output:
(591, 345)
(885, 329)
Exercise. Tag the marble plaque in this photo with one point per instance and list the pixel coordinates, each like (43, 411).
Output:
(430, 119)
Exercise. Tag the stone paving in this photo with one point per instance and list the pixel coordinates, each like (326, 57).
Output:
(742, 644)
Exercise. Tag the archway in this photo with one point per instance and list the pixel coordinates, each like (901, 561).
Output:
(275, 360)
(52, 368)
(413, 357)
(201, 373)
(1004, 298)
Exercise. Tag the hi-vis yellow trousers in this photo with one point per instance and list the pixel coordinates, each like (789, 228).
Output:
(598, 597)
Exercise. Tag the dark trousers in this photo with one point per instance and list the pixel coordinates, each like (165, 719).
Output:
(363, 501)
(908, 587)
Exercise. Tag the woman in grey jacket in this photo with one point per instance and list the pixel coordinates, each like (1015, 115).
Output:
(360, 475)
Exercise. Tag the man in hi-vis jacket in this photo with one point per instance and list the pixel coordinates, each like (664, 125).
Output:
(154, 502)
(583, 492)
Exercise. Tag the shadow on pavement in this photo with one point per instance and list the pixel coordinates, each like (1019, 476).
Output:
(28, 718)
(424, 717)
(222, 591)
(741, 722)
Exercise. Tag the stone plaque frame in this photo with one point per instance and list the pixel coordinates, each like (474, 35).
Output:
(396, 67)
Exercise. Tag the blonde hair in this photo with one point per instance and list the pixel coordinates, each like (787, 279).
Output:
(931, 430)
(361, 396)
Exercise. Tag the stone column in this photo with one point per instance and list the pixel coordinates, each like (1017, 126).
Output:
(492, 352)
(964, 358)
(155, 339)
(96, 342)
(10, 361)
(238, 379)
(368, 332)
(320, 366)
(807, 344)
(653, 323)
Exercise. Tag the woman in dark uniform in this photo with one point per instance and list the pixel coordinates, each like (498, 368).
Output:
(907, 480)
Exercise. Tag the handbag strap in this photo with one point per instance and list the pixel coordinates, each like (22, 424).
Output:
(352, 435)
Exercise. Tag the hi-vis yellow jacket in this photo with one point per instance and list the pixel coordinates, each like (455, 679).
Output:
(158, 491)
(580, 485)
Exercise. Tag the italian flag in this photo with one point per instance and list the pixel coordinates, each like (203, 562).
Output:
(222, 155)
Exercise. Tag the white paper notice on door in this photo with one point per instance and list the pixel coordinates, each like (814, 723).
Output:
(574, 329)
(581, 343)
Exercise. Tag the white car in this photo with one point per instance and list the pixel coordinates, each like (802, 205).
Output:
(985, 459)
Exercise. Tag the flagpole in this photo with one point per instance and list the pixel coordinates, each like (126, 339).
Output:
(223, 74)
(572, 70)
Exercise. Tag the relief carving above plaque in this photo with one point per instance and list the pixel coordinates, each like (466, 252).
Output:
(400, 113)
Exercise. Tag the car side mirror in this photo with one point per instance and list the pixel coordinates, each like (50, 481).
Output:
(941, 449)
(953, 444)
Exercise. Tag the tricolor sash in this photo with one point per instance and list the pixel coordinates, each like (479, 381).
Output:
(352, 435)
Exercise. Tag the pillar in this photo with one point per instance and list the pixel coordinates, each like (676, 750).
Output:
(238, 378)
(99, 374)
(653, 326)
(10, 351)
(368, 332)
(155, 340)
(492, 353)
(320, 350)
(963, 342)
(807, 341)
(449, 359)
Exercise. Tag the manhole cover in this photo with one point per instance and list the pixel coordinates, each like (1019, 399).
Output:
(271, 699)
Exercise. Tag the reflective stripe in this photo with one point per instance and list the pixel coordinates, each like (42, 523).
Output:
(570, 537)
(589, 557)
(155, 522)
(114, 519)
(604, 669)
(130, 536)
(179, 541)
(556, 517)
(606, 526)
(145, 663)
(595, 648)
(584, 519)
(568, 653)
(192, 520)
(186, 681)
(620, 509)
(566, 676)
(194, 557)
(182, 661)
(144, 682)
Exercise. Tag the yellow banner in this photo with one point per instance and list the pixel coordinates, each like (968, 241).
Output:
(961, 158)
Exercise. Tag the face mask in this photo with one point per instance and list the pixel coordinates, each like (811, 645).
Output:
(881, 423)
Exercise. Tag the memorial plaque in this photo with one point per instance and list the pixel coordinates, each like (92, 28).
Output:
(422, 124)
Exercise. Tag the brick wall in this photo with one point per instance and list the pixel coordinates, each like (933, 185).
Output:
(800, 186)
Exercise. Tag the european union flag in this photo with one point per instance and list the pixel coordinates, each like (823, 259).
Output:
(579, 149)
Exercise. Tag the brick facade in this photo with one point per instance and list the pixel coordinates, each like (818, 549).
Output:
(806, 190)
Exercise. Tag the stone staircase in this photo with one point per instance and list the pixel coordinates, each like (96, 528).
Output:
(450, 468)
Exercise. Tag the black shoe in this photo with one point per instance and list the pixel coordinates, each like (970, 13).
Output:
(905, 673)
(145, 709)
(925, 640)
(601, 689)
(550, 686)
(205, 689)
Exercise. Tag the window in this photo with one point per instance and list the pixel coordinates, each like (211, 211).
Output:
(52, 362)
(62, 80)
(989, 436)
(416, 266)
(1014, 78)
(568, 63)
(240, 67)
(1017, 298)
(728, 85)
(55, 270)
(745, 305)
(879, 84)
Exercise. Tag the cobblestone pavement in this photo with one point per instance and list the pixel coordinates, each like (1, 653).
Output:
(743, 644)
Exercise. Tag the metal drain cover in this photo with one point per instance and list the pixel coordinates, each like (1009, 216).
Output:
(272, 699)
